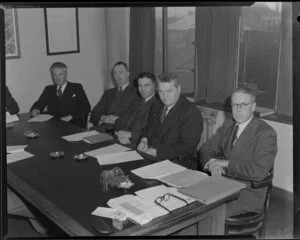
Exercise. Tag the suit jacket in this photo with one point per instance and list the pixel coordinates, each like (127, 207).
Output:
(250, 159)
(177, 137)
(136, 117)
(114, 103)
(11, 105)
(73, 102)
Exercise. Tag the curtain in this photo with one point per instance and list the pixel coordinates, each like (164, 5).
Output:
(217, 30)
(284, 86)
(142, 40)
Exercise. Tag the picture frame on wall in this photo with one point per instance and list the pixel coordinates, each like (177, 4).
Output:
(62, 31)
(12, 43)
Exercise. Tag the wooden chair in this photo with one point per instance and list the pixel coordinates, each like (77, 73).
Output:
(251, 223)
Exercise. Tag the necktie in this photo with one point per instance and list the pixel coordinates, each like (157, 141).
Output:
(59, 92)
(234, 135)
(164, 114)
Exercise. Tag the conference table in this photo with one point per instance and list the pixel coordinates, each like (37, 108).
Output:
(67, 191)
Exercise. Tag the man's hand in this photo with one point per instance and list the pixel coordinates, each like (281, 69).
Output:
(143, 145)
(217, 170)
(151, 151)
(124, 140)
(102, 119)
(124, 137)
(35, 112)
(66, 118)
(111, 119)
(217, 162)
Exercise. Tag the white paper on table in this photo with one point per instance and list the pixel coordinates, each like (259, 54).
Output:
(11, 118)
(152, 193)
(79, 136)
(40, 118)
(14, 157)
(109, 213)
(15, 148)
(184, 178)
(137, 208)
(158, 170)
(114, 148)
(119, 157)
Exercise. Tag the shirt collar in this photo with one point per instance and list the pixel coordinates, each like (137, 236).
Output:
(124, 86)
(147, 99)
(243, 125)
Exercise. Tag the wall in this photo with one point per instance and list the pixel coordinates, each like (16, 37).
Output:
(27, 76)
(283, 168)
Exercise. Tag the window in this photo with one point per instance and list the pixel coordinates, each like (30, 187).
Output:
(175, 51)
(259, 44)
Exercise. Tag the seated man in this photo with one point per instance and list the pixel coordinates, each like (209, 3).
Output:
(16, 206)
(128, 127)
(243, 148)
(115, 102)
(173, 131)
(65, 100)
(11, 104)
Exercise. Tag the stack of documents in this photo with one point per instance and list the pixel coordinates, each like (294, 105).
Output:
(136, 208)
(40, 118)
(80, 136)
(170, 173)
(213, 189)
(11, 118)
(114, 148)
(101, 137)
(152, 193)
(17, 153)
(119, 157)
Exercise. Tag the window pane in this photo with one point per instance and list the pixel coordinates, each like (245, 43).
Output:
(259, 50)
(158, 61)
(180, 47)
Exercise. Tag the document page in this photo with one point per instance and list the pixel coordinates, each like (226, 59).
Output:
(14, 157)
(158, 170)
(15, 148)
(213, 189)
(109, 213)
(184, 178)
(79, 136)
(118, 157)
(40, 118)
(11, 118)
(114, 148)
(152, 193)
(136, 208)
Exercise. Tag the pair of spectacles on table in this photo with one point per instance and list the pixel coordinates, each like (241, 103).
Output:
(165, 198)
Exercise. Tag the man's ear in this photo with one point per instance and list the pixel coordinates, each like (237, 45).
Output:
(179, 88)
(253, 106)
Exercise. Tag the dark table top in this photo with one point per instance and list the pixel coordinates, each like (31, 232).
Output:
(68, 191)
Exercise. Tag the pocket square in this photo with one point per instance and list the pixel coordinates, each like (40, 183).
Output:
(74, 95)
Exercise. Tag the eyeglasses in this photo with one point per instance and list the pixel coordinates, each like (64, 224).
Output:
(240, 105)
(166, 198)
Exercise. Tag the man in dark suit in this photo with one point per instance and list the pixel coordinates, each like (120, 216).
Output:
(128, 127)
(173, 131)
(244, 148)
(115, 102)
(63, 99)
(11, 104)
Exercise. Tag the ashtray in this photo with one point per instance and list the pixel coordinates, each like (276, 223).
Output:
(58, 154)
(80, 157)
(30, 134)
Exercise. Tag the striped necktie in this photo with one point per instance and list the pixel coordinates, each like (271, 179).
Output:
(163, 114)
(59, 92)
(234, 135)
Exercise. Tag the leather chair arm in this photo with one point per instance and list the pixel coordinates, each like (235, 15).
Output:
(245, 218)
(263, 183)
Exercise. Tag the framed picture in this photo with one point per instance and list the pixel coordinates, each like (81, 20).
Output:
(12, 44)
(62, 32)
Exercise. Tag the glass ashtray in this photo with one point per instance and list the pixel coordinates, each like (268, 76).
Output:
(58, 154)
(30, 134)
(80, 157)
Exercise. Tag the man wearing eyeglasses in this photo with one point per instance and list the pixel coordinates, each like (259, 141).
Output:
(244, 148)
